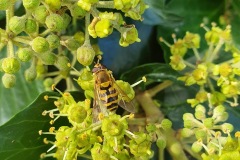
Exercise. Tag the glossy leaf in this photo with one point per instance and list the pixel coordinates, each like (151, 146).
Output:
(19, 136)
(192, 14)
(154, 72)
(15, 99)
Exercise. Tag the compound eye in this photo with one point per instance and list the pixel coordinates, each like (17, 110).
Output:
(94, 70)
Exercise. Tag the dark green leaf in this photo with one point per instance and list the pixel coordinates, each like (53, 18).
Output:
(15, 99)
(235, 22)
(19, 136)
(154, 72)
(192, 14)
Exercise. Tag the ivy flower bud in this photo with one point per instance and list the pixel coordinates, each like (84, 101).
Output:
(188, 116)
(71, 43)
(98, 153)
(208, 123)
(10, 65)
(48, 82)
(17, 24)
(177, 62)
(200, 74)
(86, 4)
(166, 124)
(212, 36)
(201, 96)
(192, 40)
(5, 4)
(40, 14)
(40, 45)
(186, 132)
(122, 4)
(85, 54)
(141, 145)
(227, 127)
(85, 80)
(197, 147)
(103, 28)
(30, 74)
(200, 134)
(179, 48)
(219, 110)
(129, 36)
(77, 113)
(161, 142)
(136, 12)
(231, 89)
(48, 58)
(62, 63)
(8, 80)
(225, 69)
(80, 37)
(54, 4)
(55, 22)
(77, 11)
(53, 40)
(200, 112)
(151, 128)
(31, 26)
(67, 19)
(30, 4)
(25, 54)
(113, 125)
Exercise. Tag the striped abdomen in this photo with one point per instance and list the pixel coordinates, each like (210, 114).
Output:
(109, 96)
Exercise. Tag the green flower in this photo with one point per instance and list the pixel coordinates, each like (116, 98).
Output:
(98, 153)
(141, 145)
(114, 126)
(129, 36)
(11, 65)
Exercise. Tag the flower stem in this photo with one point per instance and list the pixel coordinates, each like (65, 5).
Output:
(87, 22)
(105, 4)
(153, 91)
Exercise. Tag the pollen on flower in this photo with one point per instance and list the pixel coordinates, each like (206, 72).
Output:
(53, 86)
(99, 139)
(144, 79)
(45, 141)
(237, 134)
(51, 129)
(46, 97)
(44, 113)
(100, 116)
(40, 132)
(131, 116)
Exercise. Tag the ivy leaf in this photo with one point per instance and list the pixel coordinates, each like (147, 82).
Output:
(154, 72)
(15, 99)
(189, 19)
(19, 136)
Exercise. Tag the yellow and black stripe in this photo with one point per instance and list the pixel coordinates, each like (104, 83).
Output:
(109, 97)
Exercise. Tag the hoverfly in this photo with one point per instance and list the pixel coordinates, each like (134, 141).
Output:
(107, 94)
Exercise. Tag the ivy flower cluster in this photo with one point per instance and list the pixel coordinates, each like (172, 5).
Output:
(218, 86)
(108, 138)
(208, 72)
(39, 35)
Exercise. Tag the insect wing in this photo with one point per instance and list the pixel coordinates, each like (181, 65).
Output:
(127, 105)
